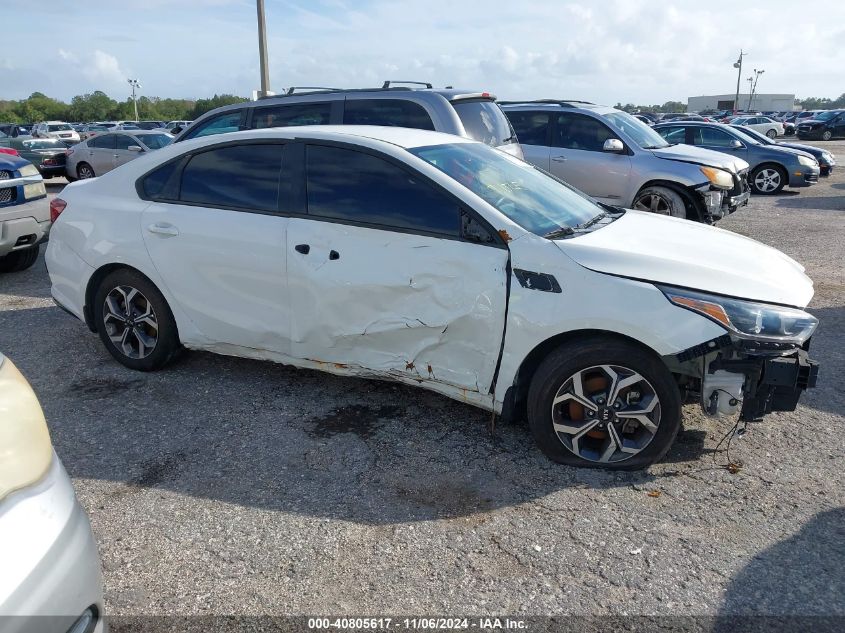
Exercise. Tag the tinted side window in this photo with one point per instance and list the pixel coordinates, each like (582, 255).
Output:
(153, 185)
(673, 134)
(710, 136)
(296, 114)
(349, 185)
(530, 127)
(245, 176)
(577, 131)
(229, 122)
(122, 141)
(390, 112)
(103, 141)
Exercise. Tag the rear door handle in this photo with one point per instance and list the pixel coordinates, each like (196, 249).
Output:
(334, 255)
(559, 159)
(167, 230)
(303, 248)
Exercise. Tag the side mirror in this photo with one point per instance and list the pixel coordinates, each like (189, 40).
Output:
(175, 130)
(135, 148)
(613, 145)
(736, 144)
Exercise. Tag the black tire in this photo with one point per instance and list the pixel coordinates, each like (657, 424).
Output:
(166, 344)
(565, 362)
(84, 170)
(661, 200)
(17, 261)
(772, 134)
(754, 179)
(827, 135)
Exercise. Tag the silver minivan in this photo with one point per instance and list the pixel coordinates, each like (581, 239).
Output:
(617, 159)
(468, 113)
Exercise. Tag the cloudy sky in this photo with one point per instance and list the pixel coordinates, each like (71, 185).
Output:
(640, 51)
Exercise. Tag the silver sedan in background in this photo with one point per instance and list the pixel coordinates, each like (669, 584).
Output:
(95, 156)
(49, 565)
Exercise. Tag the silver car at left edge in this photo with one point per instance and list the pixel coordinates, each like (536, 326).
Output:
(50, 577)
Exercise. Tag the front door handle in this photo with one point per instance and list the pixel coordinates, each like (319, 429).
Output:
(334, 255)
(303, 248)
(167, 230)
(559, 159)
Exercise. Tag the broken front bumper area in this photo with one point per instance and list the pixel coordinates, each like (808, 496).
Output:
(772, 383)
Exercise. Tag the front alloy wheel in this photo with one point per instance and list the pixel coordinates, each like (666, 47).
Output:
(767, 180)
(603, 402)
(827, 135)
(606, 413)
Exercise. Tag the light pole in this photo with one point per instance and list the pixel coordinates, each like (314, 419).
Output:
(738, 66)
(262, 49)
(757, 74)
(135, 84)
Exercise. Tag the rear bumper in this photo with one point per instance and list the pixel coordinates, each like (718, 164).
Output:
(25, 229)
(50, 562)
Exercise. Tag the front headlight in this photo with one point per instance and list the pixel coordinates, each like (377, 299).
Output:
(29, 170)
(808, 161)
(748, 319)
(25, 449)
(718, 177)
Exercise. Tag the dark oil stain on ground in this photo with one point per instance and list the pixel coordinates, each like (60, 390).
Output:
(361, 419)
(101, 387)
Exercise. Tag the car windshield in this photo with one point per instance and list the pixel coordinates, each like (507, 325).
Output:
(96, 128)
(484, 121)
(156, 141)
(636, 130)
(532, 198)
(825, 116)
(60, 127)
(740, 120)
(130, 126)
(44, 143)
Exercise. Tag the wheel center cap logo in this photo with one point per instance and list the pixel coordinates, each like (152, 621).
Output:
(605, 414)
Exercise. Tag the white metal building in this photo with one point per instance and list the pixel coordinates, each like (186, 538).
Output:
(764, 102)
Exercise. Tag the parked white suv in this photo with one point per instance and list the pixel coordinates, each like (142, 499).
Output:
(438, 262)
(56, 129)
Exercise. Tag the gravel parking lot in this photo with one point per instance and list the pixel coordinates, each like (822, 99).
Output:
(230, 486)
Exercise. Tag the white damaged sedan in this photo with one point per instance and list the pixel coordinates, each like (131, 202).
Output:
(435, 261)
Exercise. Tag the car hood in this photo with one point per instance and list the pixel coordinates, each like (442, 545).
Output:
(677, 252)
(701, 156)
(802, 148)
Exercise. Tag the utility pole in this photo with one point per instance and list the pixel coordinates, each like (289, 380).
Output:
(738, 66)
(262, 49)
(135, 84)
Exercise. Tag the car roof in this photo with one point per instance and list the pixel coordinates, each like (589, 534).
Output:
(556, 105)
(406, 138)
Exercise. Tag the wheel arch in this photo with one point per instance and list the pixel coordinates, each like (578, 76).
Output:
(694, 208)
(516, 395)
(96, 279)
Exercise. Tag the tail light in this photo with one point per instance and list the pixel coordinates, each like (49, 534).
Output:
(48, 161)
(9, 150)
(57, 205)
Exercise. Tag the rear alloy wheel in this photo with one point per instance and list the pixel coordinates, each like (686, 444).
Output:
(603, 404)
(661, 200)
(17, 261)
(134, 321)
(772, 134)
(827, 135)
(768, 179)
(84, 171)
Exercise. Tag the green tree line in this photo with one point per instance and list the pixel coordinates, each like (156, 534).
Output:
(98, 106)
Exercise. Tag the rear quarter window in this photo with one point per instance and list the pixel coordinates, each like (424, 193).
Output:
(387, 112)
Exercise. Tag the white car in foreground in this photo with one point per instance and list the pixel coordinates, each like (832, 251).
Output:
(440, 262)
(50, 579)
(761, 124)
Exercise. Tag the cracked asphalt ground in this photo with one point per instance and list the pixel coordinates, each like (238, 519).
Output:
(229, 486)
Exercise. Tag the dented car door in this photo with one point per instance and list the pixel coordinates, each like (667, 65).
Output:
(381, 280)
